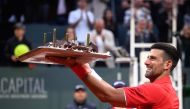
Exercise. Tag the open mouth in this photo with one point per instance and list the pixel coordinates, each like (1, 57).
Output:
(148, 69)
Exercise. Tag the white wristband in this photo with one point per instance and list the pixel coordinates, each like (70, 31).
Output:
(94, 74)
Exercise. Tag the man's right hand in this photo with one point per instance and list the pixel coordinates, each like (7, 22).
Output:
(69, 62)
(81, 70)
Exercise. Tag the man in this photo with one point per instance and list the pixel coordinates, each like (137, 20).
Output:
(82, 20)
(142, 35)
(185, 39)
(158, 94)
(80, 99)
(142, 32)
(13, 44)
(140, 12)
(104, 39)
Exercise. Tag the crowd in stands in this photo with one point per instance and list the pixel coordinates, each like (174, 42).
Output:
(108, 21)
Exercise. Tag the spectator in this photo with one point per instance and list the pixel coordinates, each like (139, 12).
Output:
(121, 31)
(185, 37)
(104, 39)
(140, 12)
(110, 24)
(80, 99)
(13, 44)
(142, 34)
(164, 19)
(82, 20)
(71, 33)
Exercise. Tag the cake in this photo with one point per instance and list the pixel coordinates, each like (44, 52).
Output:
(63, 48)
(73, 45)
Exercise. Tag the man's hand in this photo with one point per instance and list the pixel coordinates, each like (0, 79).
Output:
(67, 61)
(78, 21)
(81, 70)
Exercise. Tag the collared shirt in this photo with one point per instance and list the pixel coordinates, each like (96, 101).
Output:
(157, 95)
(82, 28)
(105, 39)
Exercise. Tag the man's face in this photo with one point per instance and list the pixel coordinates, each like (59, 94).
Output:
(155, 64)
(99, 26)
(82, 4)
(19, 33)
(168, 4)
(142, 24)
(138, 3)
(71, 33)
(80, 96)
(109, 14)
(125, 4)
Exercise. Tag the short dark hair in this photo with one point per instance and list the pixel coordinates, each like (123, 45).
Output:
(19, 26)
(170, 52)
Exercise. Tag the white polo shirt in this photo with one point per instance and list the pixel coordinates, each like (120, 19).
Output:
(82, 28)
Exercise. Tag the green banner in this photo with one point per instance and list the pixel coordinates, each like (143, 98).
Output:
(45, 87)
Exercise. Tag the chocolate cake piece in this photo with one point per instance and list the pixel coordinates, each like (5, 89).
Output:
(73, 45)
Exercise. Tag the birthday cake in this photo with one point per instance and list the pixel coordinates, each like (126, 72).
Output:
(64, 48)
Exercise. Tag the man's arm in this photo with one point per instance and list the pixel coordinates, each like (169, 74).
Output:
(74, 24)
(90, 24)
(104, 91)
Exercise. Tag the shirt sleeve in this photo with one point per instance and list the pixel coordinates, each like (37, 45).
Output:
(73, 17)
(127, 17)
(143, 95)
(109, 39)
(90, 16)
